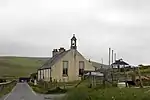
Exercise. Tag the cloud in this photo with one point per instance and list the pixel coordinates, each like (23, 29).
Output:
(35, 27)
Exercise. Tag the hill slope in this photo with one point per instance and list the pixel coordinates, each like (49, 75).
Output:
(19, 66)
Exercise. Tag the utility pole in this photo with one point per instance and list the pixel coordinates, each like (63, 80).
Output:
(102, 60)
(112, 66)
(112, 56)
(109, 55)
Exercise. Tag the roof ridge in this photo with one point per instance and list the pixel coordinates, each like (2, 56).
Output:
(45, 63)
(54, 59)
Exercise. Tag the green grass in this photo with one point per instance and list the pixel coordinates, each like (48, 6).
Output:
(38, 89)
(19, 66)
(107, 94)
(145, 71)
(49, 88)
(7, 88)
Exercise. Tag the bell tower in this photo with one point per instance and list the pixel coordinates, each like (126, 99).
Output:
(73, 42)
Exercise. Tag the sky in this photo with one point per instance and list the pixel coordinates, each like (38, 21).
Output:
(33, 28)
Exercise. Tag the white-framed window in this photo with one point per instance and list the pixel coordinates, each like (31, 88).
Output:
(81, 68)
(65, 68)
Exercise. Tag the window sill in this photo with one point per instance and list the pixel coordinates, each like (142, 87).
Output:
(80, 76)
(65, 75)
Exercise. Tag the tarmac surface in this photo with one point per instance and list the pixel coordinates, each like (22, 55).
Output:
(22, 91)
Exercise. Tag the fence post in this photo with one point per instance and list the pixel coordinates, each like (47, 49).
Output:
(141, 82)
(104, 78)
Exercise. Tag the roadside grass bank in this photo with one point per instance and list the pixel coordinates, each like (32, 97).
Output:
(84, 92)
(45, 89)
(107, 94)
(5, 89)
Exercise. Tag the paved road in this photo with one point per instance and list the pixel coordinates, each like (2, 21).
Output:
(22, 91)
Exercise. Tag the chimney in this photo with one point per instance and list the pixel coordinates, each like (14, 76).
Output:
(54, 52)
(61, 50)
(89, 60)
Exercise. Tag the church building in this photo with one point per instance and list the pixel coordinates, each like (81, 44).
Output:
(65, 65)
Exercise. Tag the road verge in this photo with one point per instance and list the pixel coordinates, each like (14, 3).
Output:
(6, 88)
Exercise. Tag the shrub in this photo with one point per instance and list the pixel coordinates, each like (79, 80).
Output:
(57, 90)
(77, 94)
(146, 82)
(108, 94)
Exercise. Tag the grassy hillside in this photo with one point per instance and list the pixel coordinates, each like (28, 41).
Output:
(19, 66)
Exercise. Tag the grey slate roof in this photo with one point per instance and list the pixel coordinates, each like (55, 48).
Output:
(49, 63)
(99, 65)
(120, 62)
(53, 60)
